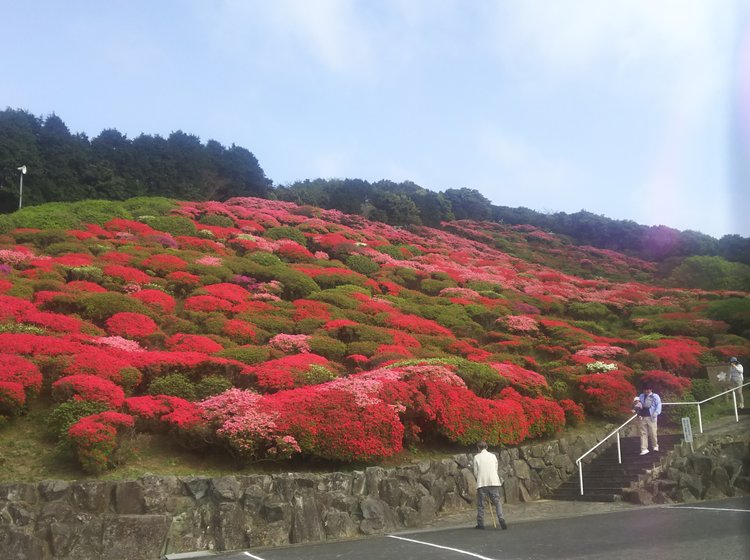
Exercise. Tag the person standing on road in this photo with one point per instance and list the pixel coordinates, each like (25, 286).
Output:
(647, 415)
(736, 378)
(488, 484)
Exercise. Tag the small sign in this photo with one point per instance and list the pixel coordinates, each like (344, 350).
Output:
(687, 430)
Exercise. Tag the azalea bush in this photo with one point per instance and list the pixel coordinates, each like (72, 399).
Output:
(330, 337)
(607, 395)
(95, 439)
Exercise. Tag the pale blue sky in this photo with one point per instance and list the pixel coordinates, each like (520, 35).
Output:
(627, 108)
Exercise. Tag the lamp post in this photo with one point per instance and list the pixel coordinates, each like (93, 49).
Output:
(22, 169)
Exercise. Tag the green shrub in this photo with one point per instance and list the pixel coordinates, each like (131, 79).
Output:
(295, 284)
(340, 296)
(560, 390)
(210, 274)
(327, 347)
(703, 389)
(316, 374)
(265, 259)
(44, 238)
(87, 273)
(286, 232)
(590, 311)
(100, 306)
(247, 354)
(99, 211)
(174, 384)
(218, 220)
(68, 413)
(212, 385)
(149, 205)
(174, 225)
(364, 347)
(432, 287)
(53, 215)
(64, 247)
(362, 264)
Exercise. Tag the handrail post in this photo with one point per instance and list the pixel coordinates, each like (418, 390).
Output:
(700, 418)
(619, 453)
(580, 475)
(734, 399)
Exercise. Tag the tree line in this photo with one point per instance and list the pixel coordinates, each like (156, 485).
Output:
(67, 167)
(63, 166)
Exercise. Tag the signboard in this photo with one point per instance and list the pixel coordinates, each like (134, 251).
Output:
(687, 430)
(718, 375)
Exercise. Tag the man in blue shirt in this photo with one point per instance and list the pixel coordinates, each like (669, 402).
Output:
(647, 415)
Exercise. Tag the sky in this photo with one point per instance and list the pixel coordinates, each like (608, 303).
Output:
(632, 109)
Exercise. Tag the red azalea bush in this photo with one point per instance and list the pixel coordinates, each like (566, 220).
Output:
(127, 273)
(416, 324)
(545, 417)
(229, 292)
(15, 369)
(666, 384)
(678, 354)
(239, 331)
(437, 401)
(107, 363)
(285, 373)
(332, 424)
(131, 325)
(608, 395)
(163, 411)
(574, 415)
(12, 398)
(156, 300)
(53, 321)
(207, 303)
(193, 343)
(88, 388)
(95, 439)
(527, 381)
(163, 264)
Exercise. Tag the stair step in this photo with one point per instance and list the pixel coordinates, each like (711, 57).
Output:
(605, 479)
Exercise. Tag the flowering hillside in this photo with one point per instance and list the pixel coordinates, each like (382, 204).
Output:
(268, 330)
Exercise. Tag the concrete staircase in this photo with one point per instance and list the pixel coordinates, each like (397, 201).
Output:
(605, 480)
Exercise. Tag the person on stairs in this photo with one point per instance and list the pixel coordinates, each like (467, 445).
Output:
(488, 484)
(736, 378)
(647, 418)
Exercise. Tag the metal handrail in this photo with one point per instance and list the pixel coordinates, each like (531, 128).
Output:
(619, 452)
(629, 420)
(699, 403)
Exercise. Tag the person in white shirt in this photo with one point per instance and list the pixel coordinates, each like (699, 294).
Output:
(736, 378)
(488, 484)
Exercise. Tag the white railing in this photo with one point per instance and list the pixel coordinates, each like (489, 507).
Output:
(619, 451)
(616, 432)
(699, 403)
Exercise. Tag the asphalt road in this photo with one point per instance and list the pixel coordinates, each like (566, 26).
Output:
(717, 530)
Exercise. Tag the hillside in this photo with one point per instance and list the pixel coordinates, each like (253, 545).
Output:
(265, 330)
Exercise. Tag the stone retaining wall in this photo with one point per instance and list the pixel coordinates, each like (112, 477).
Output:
(717, 468)
(154, 515)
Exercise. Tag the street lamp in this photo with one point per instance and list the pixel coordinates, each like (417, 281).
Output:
(22, 169)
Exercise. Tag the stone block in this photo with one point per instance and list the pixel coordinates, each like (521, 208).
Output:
(134, 537)
(225, 489)
(129, 498)
(307, 525)
(50, 490)
(339, 525)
